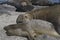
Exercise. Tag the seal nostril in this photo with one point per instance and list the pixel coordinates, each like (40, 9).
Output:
(35, 36)
(5, 28)
(20, 22)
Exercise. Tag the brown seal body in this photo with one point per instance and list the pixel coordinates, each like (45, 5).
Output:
(50, 14)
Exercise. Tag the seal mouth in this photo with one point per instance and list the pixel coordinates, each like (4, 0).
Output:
(9, 34)
(5, 28)
(19, 22)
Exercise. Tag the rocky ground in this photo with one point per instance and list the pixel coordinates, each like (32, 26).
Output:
(8, 17)
(5, 20)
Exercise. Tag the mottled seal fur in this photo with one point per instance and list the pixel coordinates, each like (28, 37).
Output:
(50, 14)
(31, 28)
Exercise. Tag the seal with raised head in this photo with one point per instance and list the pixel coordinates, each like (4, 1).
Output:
(32, 28)
(50, 14)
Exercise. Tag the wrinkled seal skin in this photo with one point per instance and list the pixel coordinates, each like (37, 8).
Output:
(45, 2)
(50, 14)
(31, 28)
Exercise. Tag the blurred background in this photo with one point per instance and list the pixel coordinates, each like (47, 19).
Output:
(29, 4)
(50, 1)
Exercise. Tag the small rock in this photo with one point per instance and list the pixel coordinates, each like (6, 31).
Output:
(46, 37)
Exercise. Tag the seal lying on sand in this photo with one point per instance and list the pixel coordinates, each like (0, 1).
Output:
(50, 14)
(31, 28)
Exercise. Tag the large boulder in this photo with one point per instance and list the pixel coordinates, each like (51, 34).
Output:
(39, 2)
(7, 7)
(4, 9)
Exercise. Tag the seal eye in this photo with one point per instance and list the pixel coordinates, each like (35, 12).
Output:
(26, 17)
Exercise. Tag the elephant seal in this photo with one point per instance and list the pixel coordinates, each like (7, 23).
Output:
(31, 28)
(50, 14)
